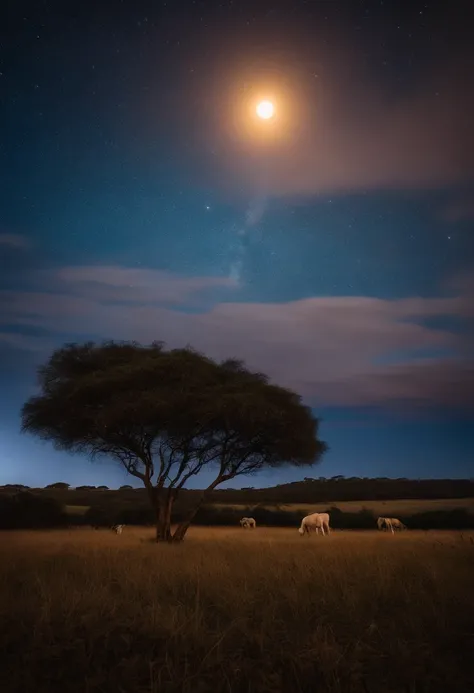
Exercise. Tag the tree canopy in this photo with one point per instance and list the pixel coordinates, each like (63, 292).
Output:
(166, 415)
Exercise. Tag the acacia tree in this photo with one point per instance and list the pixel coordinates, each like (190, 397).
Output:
(168, 415)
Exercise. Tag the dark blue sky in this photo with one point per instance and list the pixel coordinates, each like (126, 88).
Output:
(332, 247)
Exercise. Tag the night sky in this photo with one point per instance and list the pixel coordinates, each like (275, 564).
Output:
(331, 247)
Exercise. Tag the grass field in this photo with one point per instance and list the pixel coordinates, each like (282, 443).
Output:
(230, 611)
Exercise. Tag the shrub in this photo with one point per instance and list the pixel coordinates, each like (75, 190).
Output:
(28, 511)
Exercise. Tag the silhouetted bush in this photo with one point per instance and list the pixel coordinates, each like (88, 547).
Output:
(364, 519)
(115, 507)
(209, 515)
(28, 511)
(459, 518)
(98, 517)
(274, 518)
(135, 516)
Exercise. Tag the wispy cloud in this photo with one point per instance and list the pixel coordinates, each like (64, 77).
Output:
(15, 240)
(15, 340)
(133, 284)
(462, 210)
(353, 351)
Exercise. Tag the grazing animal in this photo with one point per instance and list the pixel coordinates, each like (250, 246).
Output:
(314, 523)
(118, 529)
(389, 524)
(248, 523)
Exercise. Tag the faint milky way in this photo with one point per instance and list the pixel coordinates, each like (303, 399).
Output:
(331, 245)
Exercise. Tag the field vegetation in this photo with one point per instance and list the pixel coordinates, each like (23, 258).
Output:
(234, 611)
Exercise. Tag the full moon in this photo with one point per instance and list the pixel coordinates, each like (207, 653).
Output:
(265, 110)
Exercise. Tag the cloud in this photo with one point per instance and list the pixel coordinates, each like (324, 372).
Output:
(15, 240)
(23, 342)
(462, 210)
(128, 284)
(339, 351)
(461, 286)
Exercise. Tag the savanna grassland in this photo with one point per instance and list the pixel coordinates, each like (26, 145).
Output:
(236, 611)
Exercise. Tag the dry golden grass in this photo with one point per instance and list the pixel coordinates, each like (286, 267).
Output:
(77, 510)
(230, 611)
(389, 508)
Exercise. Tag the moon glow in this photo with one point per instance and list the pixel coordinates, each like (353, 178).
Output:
(265, 110)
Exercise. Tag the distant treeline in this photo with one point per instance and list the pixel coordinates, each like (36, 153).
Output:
(27, 510)
(310, 491)
(340, 488)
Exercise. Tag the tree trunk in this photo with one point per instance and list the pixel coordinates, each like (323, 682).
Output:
(163, 505)
(183, 526)
(163, 525)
